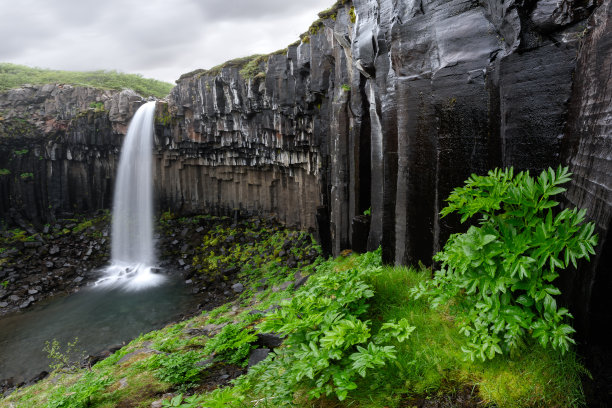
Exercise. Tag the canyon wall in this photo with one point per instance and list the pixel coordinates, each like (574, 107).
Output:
(383, 105)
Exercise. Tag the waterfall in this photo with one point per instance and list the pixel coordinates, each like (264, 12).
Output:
(132, 254)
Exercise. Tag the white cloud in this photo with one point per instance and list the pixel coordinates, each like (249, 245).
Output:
(157, 38)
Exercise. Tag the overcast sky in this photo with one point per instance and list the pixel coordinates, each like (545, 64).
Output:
(159, 39)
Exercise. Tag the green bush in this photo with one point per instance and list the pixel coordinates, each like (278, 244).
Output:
(329, 343)
(503, 268)
(232, 344)
(177, 368)
(81, 394)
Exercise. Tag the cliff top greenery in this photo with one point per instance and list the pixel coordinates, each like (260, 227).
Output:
(14, 76)
(254, 66)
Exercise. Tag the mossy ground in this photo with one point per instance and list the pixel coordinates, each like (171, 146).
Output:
(430, 369)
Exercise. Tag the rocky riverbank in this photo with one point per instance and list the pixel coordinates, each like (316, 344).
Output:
(220, 257)
(58, 258)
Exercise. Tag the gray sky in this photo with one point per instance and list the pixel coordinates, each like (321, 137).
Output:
(159, 39)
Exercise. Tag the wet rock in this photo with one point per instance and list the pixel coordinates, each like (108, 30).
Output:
(27, 303)
(269, 340)
(160, 402)
(300, 280)
(32, 244)
(3, 304)
(238, 287)
(135, 353)
(282, 286)
(205, 363)
(257, 356)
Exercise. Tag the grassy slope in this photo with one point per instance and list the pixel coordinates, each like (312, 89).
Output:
(429, 365)
(14, 76)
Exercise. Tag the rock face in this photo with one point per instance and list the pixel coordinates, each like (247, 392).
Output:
(383, 105)
(589, 155)
(59, 147)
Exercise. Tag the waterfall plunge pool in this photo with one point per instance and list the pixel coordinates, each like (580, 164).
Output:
(98, 317)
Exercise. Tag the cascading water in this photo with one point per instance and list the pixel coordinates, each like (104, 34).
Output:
(132, 226)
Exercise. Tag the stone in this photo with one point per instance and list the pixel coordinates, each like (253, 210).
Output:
(257, 356)
(238, 287)
(269, 340)
(282, 286)
(32, 244)
(135, 353)
(49, 264)
(123, 383)
(300, 280)
(205, 363)
(26, 303)
(14, 298)
(32, 291)
(3, 304)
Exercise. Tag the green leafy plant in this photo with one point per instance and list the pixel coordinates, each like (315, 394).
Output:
(503, 268)
(26, 176)
(21, 152)
(62, 358)
(186, 402)
(368, 212)
(346, 87)
(4, 172)
(177, 368)
(5, 283)
(81, 394)
(97, 106)
(329, 343)
(232, 344)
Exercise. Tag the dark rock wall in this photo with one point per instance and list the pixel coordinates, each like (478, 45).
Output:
(232, 143)
(58, 153)
(588, 151)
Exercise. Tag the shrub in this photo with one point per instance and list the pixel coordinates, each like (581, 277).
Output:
(329, 343)
(232, 344)
(503, 268)
(178, 367)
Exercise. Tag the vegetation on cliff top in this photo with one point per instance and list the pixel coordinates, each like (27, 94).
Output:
(254, 66)
(14, 76)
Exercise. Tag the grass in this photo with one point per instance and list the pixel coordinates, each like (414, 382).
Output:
(430, 364)
(14, 76)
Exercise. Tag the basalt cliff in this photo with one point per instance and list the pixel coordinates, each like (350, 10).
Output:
(383, 105)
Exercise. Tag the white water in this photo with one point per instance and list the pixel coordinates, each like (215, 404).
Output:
(132, 253)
